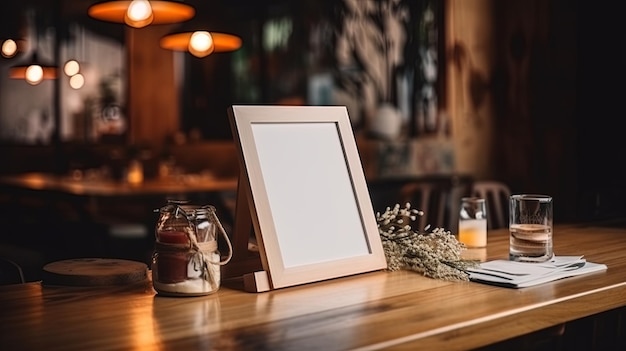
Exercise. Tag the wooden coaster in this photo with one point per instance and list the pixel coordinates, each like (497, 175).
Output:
(94, 272)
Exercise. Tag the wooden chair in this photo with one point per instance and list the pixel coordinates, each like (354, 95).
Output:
(439, 197)
(496, 195)
(10, 272)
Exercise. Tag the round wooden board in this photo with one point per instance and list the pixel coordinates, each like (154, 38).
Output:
(94, 272)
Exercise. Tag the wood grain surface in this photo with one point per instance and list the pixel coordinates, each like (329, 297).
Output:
(94, 272)
(378, 310)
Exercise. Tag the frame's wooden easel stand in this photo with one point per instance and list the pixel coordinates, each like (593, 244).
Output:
(244, 262)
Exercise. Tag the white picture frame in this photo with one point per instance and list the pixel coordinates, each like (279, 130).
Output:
(306, 193)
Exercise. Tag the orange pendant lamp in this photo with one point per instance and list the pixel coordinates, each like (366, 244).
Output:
(140, 13)
(200, 43)
(33, 71)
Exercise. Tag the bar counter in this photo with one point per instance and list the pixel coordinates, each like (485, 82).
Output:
(377, 310)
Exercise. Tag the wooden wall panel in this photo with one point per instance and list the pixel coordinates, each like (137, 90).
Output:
(469, 61)
(152, 91)
(511, 85)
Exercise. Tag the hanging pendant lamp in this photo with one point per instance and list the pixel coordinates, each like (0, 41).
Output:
(9, 47)
(201, 43)
(34, 71)
(193, 37)
(140, 13)
(12, 38)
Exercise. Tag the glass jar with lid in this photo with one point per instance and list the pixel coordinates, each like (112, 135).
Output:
(186, 260)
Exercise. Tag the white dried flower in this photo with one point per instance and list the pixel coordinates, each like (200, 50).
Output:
(436, 254)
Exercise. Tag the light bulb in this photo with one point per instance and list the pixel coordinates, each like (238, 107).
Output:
(34, 74)
(201, 44)
(77, 81)
(9, 48)
(139, 14)
(71, 68)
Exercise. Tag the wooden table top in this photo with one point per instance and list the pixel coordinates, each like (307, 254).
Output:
(363, 312)
(109, 187)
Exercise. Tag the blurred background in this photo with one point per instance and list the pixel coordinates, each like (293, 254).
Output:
(524, 92)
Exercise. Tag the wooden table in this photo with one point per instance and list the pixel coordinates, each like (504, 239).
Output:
(92, 197)
(97, 215)
(378, 310)
(109, 188)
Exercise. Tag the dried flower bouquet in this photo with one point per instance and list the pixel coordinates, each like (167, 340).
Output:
(436, 254)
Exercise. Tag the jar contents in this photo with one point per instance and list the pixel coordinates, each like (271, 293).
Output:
(186, 260)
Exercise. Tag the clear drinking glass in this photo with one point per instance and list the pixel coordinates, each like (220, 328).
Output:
(530, 227)
(473, 222)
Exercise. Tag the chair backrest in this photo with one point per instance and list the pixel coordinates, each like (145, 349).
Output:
(496, 195)
(439, 198)
(10, 272)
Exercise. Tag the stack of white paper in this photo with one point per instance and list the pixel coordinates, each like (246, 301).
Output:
(520, 274)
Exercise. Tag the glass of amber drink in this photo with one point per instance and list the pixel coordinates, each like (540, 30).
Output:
(530, 227)
(473, 222)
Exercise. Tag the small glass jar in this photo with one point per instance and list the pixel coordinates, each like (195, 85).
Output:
(186, 260)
